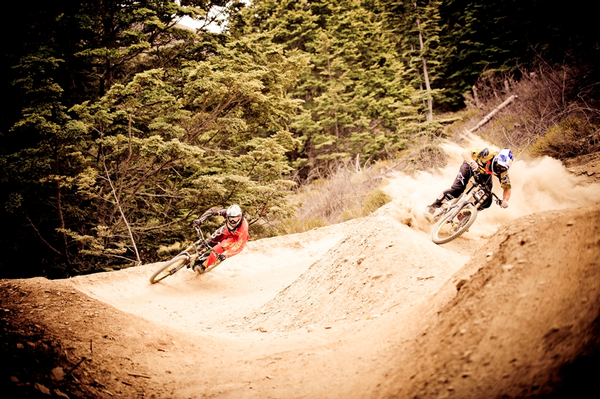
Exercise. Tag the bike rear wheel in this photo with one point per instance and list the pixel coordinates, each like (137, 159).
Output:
(454, 224)
(170, 268)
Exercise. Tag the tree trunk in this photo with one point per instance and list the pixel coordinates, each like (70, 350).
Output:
(420, 80)
(425, 73)
(60, 212)
(478, 103)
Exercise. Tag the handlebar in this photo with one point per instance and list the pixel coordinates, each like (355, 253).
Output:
(497, 199)
(201, 236)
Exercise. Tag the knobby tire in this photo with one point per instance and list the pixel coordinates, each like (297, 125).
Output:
(169, 268)
(455, 226)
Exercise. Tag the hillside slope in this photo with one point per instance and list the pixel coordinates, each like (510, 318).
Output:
(523, 321)
(368, 308)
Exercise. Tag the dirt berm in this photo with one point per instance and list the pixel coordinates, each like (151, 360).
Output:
(383, 313)
(520, 319)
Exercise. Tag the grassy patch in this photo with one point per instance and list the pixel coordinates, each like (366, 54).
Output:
(570, 138)
(346, 194)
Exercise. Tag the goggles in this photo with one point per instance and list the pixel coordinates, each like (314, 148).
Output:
(500, 169)
(234, 220)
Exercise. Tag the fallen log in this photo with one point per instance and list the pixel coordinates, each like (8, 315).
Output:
(491, 114)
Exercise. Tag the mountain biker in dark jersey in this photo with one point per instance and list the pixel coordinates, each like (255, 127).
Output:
(488, 162)
(227, 240)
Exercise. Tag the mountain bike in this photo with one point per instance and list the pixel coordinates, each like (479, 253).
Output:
(192, 257)
(459, 214)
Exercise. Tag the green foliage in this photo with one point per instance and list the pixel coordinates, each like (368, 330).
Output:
(354, 101)
(570, 138)
(36, 165)
(122, 126)
(109, 181)
(463, 38)
(480, 35)
(127, 38)
(417, 27)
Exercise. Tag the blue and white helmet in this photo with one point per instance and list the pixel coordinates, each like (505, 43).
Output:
(502, 161)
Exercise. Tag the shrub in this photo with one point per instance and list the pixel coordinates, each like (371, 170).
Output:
(545, 97)
(570, 138)
(374, 200)
(298, 225)
(349, 192)
(428, 157)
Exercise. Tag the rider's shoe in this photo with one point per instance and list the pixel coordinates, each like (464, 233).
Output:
(199, 269)
(430, 213)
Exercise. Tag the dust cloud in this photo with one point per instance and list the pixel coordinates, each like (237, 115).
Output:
(538, 185)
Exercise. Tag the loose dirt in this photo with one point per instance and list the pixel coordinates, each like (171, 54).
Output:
(369, 308)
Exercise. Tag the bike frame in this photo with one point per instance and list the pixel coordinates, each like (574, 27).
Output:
(195, 246)
(459, 214)
(476, 195)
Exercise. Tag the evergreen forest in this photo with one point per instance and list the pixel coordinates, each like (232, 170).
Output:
(121, 124)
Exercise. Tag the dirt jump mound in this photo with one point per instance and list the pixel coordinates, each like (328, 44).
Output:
(380, 265)
(523, 322)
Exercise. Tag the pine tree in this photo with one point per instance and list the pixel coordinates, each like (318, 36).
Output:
(36, 165)
(417, 25)
(106, 148)
(171, 144)
(508, 35)
(354, 100)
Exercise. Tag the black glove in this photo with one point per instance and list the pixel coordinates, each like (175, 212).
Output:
(204, 216)
(221, 257)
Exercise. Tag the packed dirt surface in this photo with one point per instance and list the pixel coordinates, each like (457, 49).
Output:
(369, 308)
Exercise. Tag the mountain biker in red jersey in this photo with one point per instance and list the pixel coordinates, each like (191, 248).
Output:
(227, 240)
(488, 162)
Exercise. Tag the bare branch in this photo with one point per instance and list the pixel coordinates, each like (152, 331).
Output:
(139, 261)
(39, 235)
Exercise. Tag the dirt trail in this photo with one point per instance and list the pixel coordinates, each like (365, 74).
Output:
(229, 293)
(368, 308)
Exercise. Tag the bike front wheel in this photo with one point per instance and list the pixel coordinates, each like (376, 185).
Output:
(454, 224)
(170, 268)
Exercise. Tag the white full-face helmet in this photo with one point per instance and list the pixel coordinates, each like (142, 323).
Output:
(502, 161)
(234, 217)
